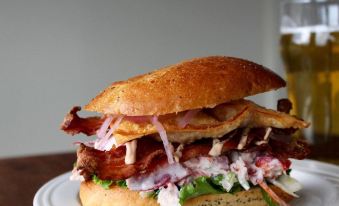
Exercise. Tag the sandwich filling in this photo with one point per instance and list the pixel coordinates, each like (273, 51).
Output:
(175, 157)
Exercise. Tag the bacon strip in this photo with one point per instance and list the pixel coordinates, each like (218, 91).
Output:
(202, 148)
(297, 149)
(73, 124)
(111, 164)
(284, 105)
(151, 154)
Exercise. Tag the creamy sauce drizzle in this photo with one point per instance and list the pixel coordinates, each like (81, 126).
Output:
(243, 139)
(178, 153)
(131, 148)
(216, 148)
(265, 140)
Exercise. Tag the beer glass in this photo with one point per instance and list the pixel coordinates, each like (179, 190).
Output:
(310, 53)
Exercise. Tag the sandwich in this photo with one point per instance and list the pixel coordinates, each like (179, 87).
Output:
(185, 135)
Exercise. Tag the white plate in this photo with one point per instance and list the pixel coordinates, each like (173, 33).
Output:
(320, 181)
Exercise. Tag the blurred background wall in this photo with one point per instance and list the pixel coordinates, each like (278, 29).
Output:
(58, 53)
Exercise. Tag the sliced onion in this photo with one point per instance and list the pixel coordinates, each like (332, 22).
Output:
(103, 129)
(116, 124)
(162, 132)
(169, 195)
(182, 122)
(106, 143)
(161, 176)
(272, 194)
(207, 166)
(109, 144)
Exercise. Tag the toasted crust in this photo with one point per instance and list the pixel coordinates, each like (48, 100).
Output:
(94, 195)
(197, 83)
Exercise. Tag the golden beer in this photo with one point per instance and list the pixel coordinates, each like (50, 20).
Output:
(312, 68)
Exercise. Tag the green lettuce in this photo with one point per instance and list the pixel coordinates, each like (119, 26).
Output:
(200, 186)
(121, 183)
(208, 185)
(230, 178)
(216, 180)
(107, 183)
(103, 183)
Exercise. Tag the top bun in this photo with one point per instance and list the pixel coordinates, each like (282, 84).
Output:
(198, 83)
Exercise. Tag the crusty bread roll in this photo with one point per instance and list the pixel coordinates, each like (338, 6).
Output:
(197, 83)
(94, 195)
(193, 84)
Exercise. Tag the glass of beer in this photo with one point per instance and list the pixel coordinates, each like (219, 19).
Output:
(310, 53)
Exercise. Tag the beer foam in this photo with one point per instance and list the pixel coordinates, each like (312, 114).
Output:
(302, 35)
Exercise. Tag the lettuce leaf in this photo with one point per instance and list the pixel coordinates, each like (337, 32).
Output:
(107, 183)
(236, 188)
(225, 182)
(200, 186)
(121, 183)
(103, 183)
(207, 185)
(216, 180)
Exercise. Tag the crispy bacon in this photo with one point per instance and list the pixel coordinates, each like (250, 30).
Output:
(202, 148)
(111, 164)
(151, 154)
(284, 105)
(73, 124)
(297, 149)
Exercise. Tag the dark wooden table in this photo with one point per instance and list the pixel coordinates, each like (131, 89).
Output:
(20, 178)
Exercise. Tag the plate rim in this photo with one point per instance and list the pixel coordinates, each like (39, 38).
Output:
(49, 186)
(331, 172)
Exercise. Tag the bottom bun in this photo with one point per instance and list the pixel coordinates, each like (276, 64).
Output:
(94, 195)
